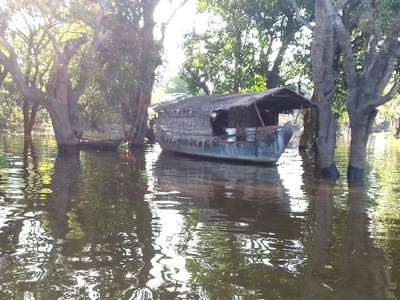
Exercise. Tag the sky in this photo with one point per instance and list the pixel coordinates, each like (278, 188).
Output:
(184, 20)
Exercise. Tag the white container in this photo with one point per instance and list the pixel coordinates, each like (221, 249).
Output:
(250, 134)
(231, 132)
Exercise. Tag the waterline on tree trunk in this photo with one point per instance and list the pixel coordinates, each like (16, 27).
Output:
(331, 172)
(355, 176)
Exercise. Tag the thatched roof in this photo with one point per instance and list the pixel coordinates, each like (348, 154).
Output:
(277, 99)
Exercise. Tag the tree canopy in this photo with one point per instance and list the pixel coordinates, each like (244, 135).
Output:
(243, 47)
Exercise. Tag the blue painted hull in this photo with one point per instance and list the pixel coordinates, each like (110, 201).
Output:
(267, 150)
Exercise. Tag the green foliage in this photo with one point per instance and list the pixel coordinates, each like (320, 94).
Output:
(10, 106)
(31, 27)
(175, 85)
(243, 48)
(99, 108)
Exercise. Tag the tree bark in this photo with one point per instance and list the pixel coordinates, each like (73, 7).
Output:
(362, 117)
(3, 75)
(29, 112)
(67, 140)
(322, 57)
(310, 132)
(397, 132)
(136, 116)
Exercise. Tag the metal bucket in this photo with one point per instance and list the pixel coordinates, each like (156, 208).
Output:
(231, 132)
(250, 134)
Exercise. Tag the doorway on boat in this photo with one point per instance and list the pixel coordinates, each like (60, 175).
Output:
(219, 122)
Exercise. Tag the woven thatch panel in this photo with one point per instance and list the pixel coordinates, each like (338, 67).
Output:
(195, 129)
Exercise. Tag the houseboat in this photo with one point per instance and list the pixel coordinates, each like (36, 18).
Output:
(241, 127)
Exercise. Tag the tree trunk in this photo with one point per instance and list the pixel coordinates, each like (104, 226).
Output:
(367, 77)
(142, 101)
(397, 132)
(309, 135)
(326, 140)
(67, 140)
(361, 121)
(323, 54)
(141, 93)
(29, 112)
(26, 114)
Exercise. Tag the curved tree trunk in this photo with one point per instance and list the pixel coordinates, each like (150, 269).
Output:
(67, 138)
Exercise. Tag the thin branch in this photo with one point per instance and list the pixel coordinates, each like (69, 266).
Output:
(11, 63)
(374, 37)
(88, 59)
(344, 40)
(56, 46)
(341, 4)
(293, 3)
(393, 91)
(87, 63)
(3, 75)
(165, 24)
(384, 63)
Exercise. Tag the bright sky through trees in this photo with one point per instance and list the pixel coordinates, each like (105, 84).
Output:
(184, 20)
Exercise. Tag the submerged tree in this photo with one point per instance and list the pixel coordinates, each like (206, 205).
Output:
(67, 36)
(370, 79)
(130, 59)
(323, 50)
(367, 34)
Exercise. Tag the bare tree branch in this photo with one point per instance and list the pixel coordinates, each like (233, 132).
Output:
(87, 63)
(373, 37)
(393, 91)
(387, 56)
(341, 4)
(344, 39)
(293, 3)
(3, 75)
(171, 17)
(11, 63)
(56, 46)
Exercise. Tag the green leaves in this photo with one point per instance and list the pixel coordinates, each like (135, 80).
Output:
(242, 48)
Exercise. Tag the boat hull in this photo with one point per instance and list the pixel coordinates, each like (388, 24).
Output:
(267, 150)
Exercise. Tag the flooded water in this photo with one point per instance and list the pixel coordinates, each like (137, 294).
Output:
(156, 226)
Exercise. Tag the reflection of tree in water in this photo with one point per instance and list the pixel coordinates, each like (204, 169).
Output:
(385, 195)
(89, 237)
(238, 235)
(343, 262)
(23, 242)
(103, 247)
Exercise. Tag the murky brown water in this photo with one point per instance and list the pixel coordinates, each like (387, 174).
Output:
(108, 226)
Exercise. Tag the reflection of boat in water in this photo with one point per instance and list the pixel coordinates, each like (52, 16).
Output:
(237, 191)
(235, 127)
